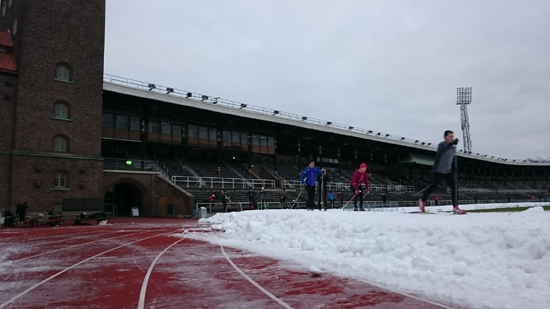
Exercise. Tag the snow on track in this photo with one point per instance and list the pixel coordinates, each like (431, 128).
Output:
(495, 260)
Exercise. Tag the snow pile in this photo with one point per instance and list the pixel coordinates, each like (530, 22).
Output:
(496, 260)
(534, 209)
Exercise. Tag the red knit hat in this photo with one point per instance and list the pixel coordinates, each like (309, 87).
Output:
(363, 165)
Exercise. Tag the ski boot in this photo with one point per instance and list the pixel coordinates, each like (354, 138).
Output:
(422, 205)
(458, 211)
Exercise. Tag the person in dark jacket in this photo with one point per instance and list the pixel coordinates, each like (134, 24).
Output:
(263, 199)
(356, 185)
(309, 177)
(21, 210)
(225, 199)
(341, 198)
(322, 180)
(251, 198)
(384, 199)
(283, 201)
(443, 170)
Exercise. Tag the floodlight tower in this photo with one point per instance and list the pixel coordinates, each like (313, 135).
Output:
(464, 98)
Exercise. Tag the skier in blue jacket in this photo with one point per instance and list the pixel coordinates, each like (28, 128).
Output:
(309, 178)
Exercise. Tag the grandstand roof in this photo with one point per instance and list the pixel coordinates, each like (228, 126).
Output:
(194, 100)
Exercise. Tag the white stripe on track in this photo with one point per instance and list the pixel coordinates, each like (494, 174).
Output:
(11, 300)
(30, 238)
(266, 292)
(406, 295)
(141, 303)
(69, 247)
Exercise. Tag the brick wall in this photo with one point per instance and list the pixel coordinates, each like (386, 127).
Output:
(151, 186)
(33, 180)
(49, 33)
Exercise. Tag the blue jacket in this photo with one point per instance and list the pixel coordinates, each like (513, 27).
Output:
(309, 175)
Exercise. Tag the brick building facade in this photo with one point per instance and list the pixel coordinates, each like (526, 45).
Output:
(50, 134)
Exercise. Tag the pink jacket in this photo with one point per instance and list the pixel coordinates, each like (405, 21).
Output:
(358, 179)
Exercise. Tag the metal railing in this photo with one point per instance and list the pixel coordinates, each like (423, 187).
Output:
(499, 191)
(239, 206)
(211, 182)
(339, 186)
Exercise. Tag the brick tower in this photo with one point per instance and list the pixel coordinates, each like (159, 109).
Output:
(51, 87)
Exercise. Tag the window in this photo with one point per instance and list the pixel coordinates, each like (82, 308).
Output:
(15, 26)
(122, 122)
(107, 120)
(212, 134)
(270, 142)
(236, 137)
(255, 140)
(4, 9)
(193, 131)
(203, 133)
(60, 144)
(176, 130)
(263, 141)
(244, 138)
(154, 127)
(165, 128)
(226, 136)
(61, 110)
(59, 180)
(62, 73)
(134, 124)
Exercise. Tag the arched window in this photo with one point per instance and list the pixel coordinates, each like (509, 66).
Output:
(61, 110)
(60, 144)
(63, 73)
(59, 180)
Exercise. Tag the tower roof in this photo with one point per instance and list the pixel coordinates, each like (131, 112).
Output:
(7, 60)
(5, 39)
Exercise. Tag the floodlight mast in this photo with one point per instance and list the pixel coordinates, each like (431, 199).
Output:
(464, 98)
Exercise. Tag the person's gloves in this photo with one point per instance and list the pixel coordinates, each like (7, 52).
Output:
(455, 141)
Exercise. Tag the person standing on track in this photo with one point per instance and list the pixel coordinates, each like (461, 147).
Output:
(322, 181)
(251, 198)
(356, 185)
(443, 170)
(308, 178)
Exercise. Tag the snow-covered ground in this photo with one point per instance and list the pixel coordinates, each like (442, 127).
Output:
(495, 260)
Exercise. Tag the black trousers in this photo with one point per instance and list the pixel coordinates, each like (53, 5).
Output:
(437, 177)
(310, 197)
(322, 197)
(358, 197)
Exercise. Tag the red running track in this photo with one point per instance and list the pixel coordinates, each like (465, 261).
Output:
(138, 263)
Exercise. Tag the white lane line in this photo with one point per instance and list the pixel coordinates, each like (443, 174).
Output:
(69, 247)
(30, 238)
(406, 295)
(141, 303)
(11, 300)
(266, 292)
(79, 236)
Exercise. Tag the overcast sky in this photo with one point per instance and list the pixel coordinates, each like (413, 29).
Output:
(390, 66)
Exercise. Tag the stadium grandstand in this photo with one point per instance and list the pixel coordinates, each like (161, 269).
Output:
(204, 144)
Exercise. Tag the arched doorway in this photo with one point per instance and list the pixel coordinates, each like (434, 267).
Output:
(126, 196)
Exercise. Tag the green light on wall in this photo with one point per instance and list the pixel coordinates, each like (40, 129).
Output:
(129, 162)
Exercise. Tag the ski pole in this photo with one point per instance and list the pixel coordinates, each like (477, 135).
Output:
(296, 200)
(350, 201)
